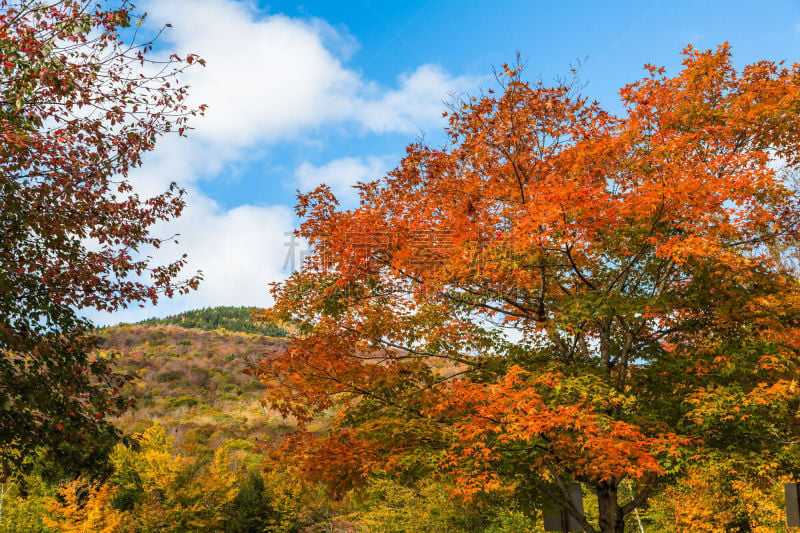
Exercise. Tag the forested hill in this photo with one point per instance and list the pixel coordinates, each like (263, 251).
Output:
(188, 374)
(193, 382)
(233, 319)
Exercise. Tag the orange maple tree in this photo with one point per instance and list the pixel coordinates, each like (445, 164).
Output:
(560, 294)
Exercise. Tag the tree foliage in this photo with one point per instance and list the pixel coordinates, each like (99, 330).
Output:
(151, 490)
(562, 295)
(82, 98)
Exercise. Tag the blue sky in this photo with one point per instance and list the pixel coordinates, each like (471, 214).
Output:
(301, 93)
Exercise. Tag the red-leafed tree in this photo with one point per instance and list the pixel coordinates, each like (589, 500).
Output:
(562, 295)
(82, 98)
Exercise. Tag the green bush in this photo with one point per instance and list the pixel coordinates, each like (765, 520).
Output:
(183, 401)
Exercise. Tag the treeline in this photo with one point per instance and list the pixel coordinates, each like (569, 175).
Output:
(234, 319)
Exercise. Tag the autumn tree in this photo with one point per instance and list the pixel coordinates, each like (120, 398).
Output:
(154, 488)
(561, 295)
(82, 98)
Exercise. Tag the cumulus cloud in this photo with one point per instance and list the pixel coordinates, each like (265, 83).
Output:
(340, 175)
(269, 78)
(239, 250)
(417, 102)
(266, 78)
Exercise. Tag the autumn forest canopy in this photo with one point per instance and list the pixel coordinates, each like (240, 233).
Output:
(561, 312)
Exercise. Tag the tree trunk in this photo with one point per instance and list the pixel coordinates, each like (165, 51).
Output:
(611, 517)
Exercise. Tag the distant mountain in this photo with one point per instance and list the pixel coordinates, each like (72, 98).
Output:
(233, 319)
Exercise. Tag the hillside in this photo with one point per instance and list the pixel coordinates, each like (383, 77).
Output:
(192, 381)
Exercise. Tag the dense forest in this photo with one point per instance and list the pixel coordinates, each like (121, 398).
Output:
(233, 319)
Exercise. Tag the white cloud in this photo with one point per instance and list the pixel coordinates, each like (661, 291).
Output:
(265, 78)
(269, 77)
(416, 103)
(239, 250)
(340, 175)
